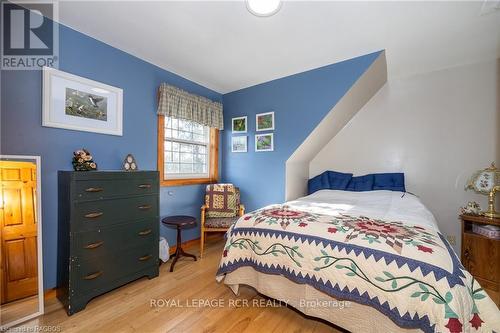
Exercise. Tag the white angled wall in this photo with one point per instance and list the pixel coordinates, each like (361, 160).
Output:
(297, 165)
(437, 128)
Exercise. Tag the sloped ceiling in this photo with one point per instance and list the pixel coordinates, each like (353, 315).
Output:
(223, 47)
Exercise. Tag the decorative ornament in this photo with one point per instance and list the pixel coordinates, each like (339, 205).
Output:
(82, 161)
(472, 208)
(129, 163)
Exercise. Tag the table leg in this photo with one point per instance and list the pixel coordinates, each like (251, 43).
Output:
(179, 251)
(188, 255)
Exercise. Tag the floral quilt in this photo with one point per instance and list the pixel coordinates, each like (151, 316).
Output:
(408, 272)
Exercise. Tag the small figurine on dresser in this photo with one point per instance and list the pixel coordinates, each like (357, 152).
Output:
(82, 161)
(472, 208)
(129, 164)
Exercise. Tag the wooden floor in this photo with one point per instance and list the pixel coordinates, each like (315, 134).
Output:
(18, 309)
(128, 309)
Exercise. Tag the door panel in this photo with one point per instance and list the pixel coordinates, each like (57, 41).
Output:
(18, 230)
(12, 206)
(15, 259)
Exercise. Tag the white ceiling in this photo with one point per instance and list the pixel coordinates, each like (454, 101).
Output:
(222, 46)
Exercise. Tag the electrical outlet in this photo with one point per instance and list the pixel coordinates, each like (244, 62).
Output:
(452, 239)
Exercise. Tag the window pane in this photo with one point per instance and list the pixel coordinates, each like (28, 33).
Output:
(198, 129)
(198, 168)
(186, 168)
(186, 135)
(186, 158)
(186, 148)
(201, 159)
(172, 167)
(199, 138)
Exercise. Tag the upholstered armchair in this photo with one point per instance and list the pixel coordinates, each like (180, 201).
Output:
(222, 208)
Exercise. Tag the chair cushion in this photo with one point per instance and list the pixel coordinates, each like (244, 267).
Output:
(360, 183)
(220, 222)
(222, 200)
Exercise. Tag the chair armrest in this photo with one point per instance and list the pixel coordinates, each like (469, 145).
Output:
(203, 208)
(242, 210)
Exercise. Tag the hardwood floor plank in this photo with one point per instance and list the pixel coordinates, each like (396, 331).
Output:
(128, 309)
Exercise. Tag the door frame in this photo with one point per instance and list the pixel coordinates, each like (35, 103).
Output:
(39, 241)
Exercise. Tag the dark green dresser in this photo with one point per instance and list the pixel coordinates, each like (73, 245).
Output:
(108, 232)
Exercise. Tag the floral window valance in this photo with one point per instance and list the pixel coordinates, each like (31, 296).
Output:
(177, 103)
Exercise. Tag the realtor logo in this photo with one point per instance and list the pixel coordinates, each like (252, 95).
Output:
(30, 38)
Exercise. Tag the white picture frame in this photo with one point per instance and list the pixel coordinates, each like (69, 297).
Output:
(236, 128)
(239, 144)
(76, 103)
(264, 146)
(265, 115)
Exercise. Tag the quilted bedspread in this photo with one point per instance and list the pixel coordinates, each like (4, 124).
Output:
(408, 272)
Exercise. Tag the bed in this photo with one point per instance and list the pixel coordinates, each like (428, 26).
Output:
(370, 261)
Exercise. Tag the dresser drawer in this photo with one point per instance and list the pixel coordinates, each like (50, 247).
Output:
(109, 240)
(99, 271)
(92, 215)
(106, 188)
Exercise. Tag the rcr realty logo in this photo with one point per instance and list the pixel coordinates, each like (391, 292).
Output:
(30, 34)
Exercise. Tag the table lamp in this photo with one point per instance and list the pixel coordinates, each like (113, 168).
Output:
(487, 181)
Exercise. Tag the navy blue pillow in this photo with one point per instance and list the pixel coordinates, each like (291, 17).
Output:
(338, 180)
(320, 182)
(360, 183)
(389, 181)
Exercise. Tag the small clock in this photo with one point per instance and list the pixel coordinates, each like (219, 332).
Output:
(129, 164)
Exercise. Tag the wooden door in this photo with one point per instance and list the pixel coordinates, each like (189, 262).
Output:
(18, 222)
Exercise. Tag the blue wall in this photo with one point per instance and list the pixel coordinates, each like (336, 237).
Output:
(299, 103)
(22, 133)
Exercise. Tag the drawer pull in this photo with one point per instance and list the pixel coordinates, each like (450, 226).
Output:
(145, 186)
(149, 256)
(94, 245)
(93, 276)
(94, 215)
(94, 189)
(144, 207)
(145, 232)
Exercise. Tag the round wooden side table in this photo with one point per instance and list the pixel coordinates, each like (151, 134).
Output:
(179, 222)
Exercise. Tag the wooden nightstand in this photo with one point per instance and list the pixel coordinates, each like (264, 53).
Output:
(481, 255)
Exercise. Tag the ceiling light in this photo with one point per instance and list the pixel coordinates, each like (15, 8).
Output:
(263, 7)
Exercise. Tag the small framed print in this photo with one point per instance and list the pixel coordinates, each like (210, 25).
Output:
(264, 142)
(264, 121)
(76, 103)
(239, 124)
(239, 144)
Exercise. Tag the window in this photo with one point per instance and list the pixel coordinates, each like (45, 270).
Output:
(187, 152)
